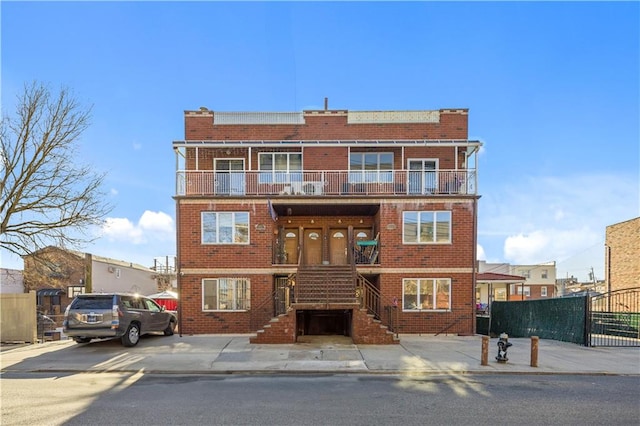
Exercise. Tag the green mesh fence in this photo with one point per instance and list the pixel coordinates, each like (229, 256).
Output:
(561, 319)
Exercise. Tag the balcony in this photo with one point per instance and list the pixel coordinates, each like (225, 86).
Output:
(326, 183)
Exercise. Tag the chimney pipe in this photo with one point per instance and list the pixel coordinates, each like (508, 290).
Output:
(326, 103)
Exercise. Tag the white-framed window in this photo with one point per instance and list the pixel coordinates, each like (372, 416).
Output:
(74, 290)
(280, 167)
(225, 228)
(519, 289)
(545, 274)
(370, 167)
(426, 227)
(543, 291)
(226, 294)
(426, 294)
(526, 273)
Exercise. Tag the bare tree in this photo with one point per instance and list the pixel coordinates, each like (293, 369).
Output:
(47, 197)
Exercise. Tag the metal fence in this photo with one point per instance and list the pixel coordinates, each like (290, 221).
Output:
(609, 319)
(561, 319)
(614, 318)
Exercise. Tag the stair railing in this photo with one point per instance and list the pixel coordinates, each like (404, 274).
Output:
(372, 300)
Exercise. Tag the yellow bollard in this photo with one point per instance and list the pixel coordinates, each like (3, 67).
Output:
(534, 350)
(484, 359)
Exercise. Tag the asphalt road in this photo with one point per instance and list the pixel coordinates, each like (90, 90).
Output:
(138, 399)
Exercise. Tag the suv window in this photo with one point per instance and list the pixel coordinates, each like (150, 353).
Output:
(97, 302)
(152, 306)
(133, 303)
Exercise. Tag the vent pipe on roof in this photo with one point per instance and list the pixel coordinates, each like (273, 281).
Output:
(326, 104)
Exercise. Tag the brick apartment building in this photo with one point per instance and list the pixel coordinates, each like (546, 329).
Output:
(622, 251)
(355, 223)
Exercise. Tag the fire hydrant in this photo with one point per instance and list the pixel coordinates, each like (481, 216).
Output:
(503, 345)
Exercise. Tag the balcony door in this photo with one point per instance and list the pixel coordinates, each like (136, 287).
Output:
(229, 176)
(422, 176)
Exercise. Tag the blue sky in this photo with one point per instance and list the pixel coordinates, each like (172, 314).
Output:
(552, 90)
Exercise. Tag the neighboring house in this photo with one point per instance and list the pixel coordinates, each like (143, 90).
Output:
(506, 282)
(540, 281)
(326, 222)
(58, 275)
(585, 288)
(166, 276)
(494, 283)
(622, 255)
(564, 286)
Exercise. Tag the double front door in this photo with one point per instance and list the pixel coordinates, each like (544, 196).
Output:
(313, 243)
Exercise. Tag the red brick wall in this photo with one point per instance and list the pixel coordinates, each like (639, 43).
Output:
(458, 254)
(461, 318)
(199, 125)
(393, 254)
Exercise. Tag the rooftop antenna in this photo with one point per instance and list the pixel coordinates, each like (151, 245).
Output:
(326, 103)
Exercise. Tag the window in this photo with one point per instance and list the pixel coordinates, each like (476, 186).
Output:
(526, 273)
(519, 289)
(426, 227)
(74, 290)
(545, 274)
(543, 291)
(152, 306)
(500, 294)
(280, 167)
(226, 294)
(225, 228)
(371, 167)
(426, 294)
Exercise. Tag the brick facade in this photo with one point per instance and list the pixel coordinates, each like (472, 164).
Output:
(622, 251)
(255, 260)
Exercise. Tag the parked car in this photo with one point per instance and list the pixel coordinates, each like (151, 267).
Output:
(116, 315)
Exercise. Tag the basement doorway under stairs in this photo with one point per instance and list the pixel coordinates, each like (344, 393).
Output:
(324, 322)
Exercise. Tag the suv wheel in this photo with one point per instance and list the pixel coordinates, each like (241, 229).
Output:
(170, 329)
(82, 339)
(132, 336)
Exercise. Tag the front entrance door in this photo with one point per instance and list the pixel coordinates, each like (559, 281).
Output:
(290, 246)
(338, 247)
(313, 246)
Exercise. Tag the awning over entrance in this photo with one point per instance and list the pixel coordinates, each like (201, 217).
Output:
(50, 292)
(301, 207)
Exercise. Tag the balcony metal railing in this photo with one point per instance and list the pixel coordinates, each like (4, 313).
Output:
(329, 183)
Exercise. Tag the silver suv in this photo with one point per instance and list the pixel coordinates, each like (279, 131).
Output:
(116, 315)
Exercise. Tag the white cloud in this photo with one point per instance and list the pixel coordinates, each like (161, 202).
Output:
(158, 223)
(113, 191)
(151, 226)
(532, 220)
(122, 229)
(137, 146)
(480, 255)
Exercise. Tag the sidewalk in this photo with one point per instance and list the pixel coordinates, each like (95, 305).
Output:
(227, 354)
